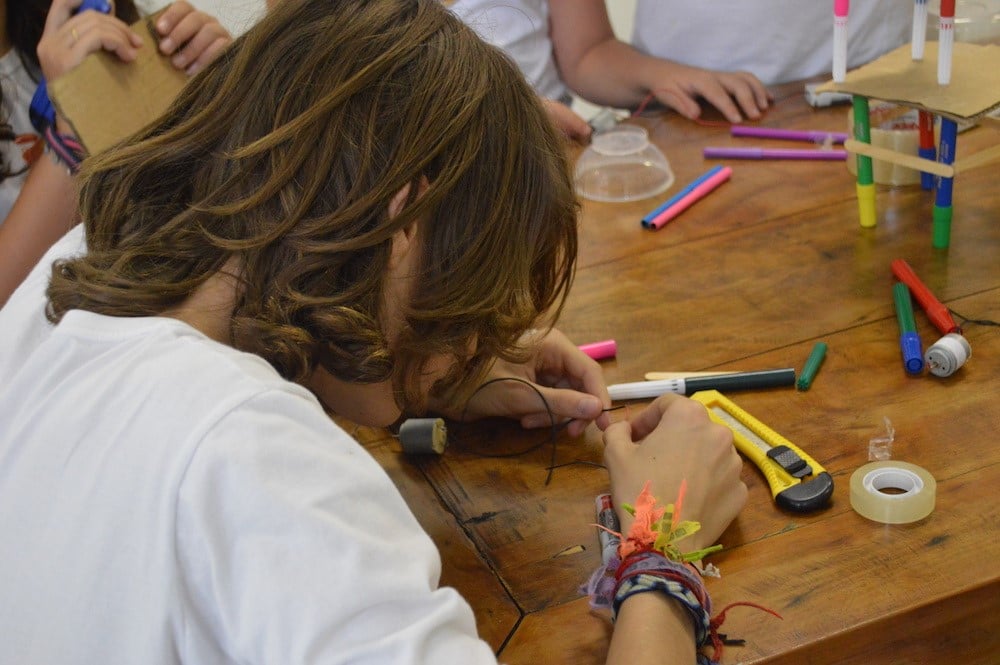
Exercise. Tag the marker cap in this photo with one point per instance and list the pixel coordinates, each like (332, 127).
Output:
(913, 356)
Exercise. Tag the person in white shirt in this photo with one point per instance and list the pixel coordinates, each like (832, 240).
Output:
(19, 142)
(568, 45)
(359, 208)
(775, 40)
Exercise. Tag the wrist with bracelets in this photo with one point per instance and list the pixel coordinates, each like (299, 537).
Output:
(66, 149)
(651, 571)
(648, 559)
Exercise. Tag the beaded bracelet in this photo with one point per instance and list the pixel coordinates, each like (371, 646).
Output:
(65, 148)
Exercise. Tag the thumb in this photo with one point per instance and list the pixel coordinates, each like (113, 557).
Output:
(564, 403)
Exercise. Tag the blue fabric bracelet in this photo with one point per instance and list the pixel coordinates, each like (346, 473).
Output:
(679, 592)
(66, 149)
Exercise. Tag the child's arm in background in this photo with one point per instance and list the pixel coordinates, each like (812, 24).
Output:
(604, 70)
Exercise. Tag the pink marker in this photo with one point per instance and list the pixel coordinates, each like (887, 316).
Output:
(692, 197)
(840, 11)
(946, 41)
(600, 350)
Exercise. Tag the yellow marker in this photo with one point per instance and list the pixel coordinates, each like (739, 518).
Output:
(797, 481)
(866, 205)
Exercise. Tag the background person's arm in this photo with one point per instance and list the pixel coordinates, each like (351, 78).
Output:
(604, 70)
(44, 211)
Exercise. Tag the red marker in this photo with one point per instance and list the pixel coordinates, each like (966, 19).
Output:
(926, 149)
(946, 40)
(936, 311)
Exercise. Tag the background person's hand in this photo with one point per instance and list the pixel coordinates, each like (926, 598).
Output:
(68, 38)
(567, 121)
(190, 37)
(735, 94)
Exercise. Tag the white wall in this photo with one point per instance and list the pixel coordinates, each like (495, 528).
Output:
(622, 14)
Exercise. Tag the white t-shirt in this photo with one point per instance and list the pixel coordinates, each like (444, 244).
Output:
(18, 89)
(168, 499)
(521, 29)
(776, 40)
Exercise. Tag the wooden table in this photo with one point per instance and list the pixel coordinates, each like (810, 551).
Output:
(750, 278)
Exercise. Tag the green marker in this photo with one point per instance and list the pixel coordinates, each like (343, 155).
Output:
(866, 179)
(812, 366)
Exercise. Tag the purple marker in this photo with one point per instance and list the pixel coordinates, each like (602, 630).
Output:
(774, 153)
(813, 135)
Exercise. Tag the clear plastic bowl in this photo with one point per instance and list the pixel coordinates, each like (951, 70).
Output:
(622, 165)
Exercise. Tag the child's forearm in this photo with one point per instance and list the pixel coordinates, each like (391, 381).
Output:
(44, 211)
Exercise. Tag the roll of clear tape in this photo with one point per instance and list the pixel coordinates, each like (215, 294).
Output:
(897, 132)
(915, 486)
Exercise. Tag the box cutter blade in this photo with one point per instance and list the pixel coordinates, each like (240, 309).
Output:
(797, 481)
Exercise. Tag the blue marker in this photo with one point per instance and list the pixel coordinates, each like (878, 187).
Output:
(942, 198)
(679, 195)
(909, 340)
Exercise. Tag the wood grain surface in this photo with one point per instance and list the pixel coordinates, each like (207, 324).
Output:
(750, 278)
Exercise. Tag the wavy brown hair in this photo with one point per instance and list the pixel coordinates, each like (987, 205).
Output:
(285, 154)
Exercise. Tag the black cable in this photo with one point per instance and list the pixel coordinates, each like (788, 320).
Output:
(978, 322)
(554, 427)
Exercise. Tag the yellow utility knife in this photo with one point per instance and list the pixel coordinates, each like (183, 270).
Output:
(798, 482)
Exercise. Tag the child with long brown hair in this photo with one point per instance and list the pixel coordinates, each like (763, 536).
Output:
(361, 206)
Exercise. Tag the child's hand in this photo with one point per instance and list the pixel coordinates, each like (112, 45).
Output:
(567, 121)
(191, 37)
(670, 441)
(68, 38)
(571, 383)
(679, 87)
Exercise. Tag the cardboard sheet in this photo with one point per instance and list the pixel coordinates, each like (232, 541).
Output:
(106, 100)
(974, 89)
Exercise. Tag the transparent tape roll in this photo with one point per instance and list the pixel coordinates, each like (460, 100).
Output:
(913, 496)
(894, 128)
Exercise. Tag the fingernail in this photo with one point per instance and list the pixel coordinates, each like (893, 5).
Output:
(588, 407)
(167, 45)
(162, 26)
(179, 61)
